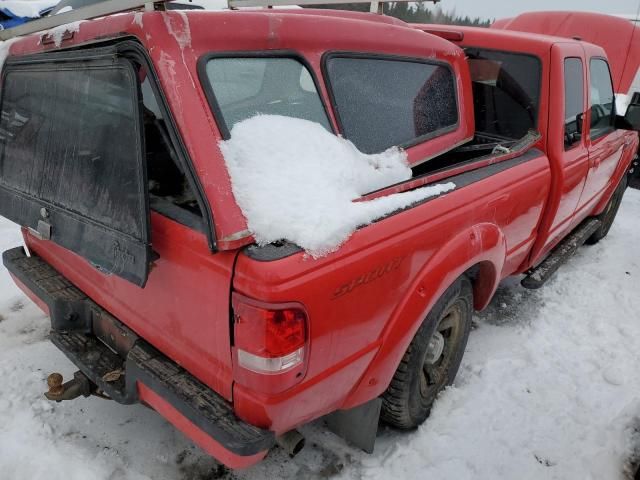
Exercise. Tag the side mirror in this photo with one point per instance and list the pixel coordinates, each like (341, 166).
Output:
(579, 120)
(631, 119)
(573, 131)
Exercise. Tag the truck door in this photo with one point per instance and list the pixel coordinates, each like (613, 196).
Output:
(605, 143)
(571, 147)
(566, 143)
(71, 158)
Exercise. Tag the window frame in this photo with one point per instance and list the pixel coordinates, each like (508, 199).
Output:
(326, 58)
(579, 142)
(211, 96)
(132, 50)
(611, 128)
(523, 54)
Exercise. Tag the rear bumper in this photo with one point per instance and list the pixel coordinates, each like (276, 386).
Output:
(97, 343)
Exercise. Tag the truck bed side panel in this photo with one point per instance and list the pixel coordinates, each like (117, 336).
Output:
(372, 294)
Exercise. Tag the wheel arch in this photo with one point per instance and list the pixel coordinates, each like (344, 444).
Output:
(478, 252)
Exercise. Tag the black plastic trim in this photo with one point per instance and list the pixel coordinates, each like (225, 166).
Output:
(468, 178)
(192, 399)
(327, 56)
(211, 97)
(271, 251)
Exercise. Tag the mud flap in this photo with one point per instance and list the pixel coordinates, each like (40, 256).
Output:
(358, 425)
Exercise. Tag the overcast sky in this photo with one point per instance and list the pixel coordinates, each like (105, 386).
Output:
(508, 8)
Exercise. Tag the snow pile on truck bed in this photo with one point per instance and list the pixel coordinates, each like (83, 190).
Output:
(296, 181)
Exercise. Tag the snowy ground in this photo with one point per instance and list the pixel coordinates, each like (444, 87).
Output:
(549, 389)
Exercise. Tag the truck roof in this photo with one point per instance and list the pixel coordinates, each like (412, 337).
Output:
(505, 40)
(517, 41)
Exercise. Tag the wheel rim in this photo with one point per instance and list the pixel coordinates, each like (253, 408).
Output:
(441, 351)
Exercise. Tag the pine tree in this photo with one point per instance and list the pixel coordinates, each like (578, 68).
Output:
(415, 13)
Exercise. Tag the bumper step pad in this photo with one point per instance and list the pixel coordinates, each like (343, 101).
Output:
(197, 402)
(142, 363)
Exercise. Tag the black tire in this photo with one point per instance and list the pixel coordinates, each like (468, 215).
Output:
(420, 377)
(608, 216)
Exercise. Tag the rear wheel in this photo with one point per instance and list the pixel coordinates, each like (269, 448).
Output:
(432, 359)
(608, 216)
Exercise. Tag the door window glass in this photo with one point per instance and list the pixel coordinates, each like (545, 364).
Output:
(573, 101)
(602, 98)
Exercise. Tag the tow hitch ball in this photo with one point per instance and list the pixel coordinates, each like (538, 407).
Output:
(58, 391)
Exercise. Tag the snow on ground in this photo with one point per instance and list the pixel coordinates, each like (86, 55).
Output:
(296, 181)
(549, 389)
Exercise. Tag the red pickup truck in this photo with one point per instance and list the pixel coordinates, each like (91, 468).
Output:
(138, 251)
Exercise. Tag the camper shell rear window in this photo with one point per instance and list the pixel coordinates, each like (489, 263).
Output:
(43, 107)
(71, 157)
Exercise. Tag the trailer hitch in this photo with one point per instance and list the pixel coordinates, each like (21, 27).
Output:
(58, 391)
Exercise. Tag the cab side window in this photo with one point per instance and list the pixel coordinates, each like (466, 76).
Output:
(601, 98)
(383, 102)
(573, 102)
(170, 193)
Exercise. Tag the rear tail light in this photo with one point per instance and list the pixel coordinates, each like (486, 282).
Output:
(269, 339)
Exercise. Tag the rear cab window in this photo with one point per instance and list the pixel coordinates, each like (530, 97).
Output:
(383, 101)
(601, 98)
(506, 91)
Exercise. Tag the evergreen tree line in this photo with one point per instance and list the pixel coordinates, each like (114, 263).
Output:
(416, 13)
